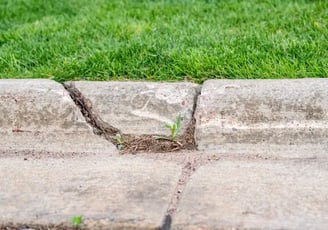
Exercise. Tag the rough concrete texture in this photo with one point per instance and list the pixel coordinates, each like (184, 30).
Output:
(231, 114)
(141, 107)
(40, 115)
(257, 194)
(110, 192)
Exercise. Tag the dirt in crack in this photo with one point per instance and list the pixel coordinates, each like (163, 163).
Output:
(131, 143)
(190, 164)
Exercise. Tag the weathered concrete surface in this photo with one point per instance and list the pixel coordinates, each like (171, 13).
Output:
(256, 194)
(40, 115)
(141, 107)
(262, 114)
(110, 192)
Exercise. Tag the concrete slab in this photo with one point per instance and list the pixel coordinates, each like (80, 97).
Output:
(40, 115)
(141, 107)
(262, 114)
(256, 194)
(124, 192)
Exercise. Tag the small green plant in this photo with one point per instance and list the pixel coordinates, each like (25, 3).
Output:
(119, 140)
(174, 129)
(77, 221)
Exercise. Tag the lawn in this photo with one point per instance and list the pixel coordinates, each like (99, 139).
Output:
(163, 40)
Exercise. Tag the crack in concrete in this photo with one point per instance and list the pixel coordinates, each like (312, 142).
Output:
(190, 165)
(133, 143)
(99, 126)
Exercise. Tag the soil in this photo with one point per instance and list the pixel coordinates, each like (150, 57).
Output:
(148, 143)
(131, 143)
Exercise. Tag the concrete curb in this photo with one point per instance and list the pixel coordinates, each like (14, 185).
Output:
(263, 115)
(231, 115)
(140, 107)
(39, 115)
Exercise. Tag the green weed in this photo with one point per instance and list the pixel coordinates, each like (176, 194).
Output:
(174, 129)
(119, 141)
(77, 221)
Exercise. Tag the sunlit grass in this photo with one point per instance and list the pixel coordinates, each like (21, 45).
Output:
(163, 40)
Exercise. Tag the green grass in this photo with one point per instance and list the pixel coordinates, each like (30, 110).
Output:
(163, 40)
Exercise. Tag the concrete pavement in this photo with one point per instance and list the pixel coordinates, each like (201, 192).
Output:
(259, 160)
(185, 190)
(109, 191)
(256, 193)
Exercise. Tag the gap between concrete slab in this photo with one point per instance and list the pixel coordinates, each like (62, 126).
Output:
(132, 143)
(190, 165)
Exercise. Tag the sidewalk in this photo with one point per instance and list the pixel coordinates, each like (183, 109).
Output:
(187, 190)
